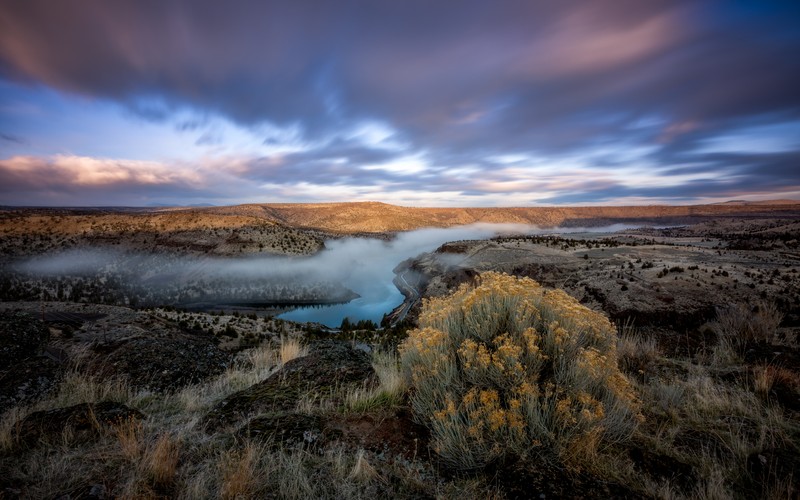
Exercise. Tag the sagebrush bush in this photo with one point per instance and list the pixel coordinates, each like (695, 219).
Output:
(508, 366)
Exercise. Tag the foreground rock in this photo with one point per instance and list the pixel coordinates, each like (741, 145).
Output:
(328, 365)
(84, 418)
(27, 381)
(26, 374)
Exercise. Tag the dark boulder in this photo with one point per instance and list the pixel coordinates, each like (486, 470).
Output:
(160, 363)
(328, 365)
(28, 380)
(21, 336)
(88, 418)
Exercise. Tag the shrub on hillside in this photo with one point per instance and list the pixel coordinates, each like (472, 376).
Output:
(508, 366)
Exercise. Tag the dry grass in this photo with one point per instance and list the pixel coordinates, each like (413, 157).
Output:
(129, 434)
(161, 460)
(635, 353)
(240, 472)
(712, 426)
(78, 387)
(250, 367)
(291, 349)
(253, 470)
(725, 354)
(738, 325)
(8, 428)
(764, 379)
(390, 390)
(362, 471)
(263, 357)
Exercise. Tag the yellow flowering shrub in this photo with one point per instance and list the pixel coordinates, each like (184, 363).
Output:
(508, 366)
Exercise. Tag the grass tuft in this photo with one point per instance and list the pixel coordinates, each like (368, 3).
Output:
(161, 460)
(291, 349)
(740, 325)
(240, 472)
(390, 390)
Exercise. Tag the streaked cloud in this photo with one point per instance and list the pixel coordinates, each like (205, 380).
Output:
(517, 102)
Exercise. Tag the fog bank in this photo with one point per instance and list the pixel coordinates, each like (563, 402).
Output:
(363, 265)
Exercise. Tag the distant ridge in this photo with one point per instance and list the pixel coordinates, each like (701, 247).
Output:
(765, 202)
(167, 205)
(374, 217)
(368, 217)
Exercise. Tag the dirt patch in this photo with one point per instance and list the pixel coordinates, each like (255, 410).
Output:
(393, 432)
(288, 429)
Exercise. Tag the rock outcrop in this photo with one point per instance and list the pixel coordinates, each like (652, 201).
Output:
(21, 336)
(160, 363)
(25, 373)
(86, 418)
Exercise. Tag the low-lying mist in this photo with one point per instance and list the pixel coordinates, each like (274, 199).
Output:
(360, 265)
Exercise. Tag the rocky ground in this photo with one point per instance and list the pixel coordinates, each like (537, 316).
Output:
(669, 282)
(88, 393)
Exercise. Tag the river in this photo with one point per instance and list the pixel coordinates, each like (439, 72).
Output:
(366, 267)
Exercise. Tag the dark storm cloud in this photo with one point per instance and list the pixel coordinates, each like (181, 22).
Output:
(250, 61)
(460, 82)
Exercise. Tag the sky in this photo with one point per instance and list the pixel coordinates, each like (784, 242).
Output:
(416, 103)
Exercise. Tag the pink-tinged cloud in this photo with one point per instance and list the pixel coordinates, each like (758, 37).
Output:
(25, 172)
(584, 42)
(78, 180)
(675, 130)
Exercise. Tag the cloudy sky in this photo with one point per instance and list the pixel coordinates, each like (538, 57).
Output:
(421, 103)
